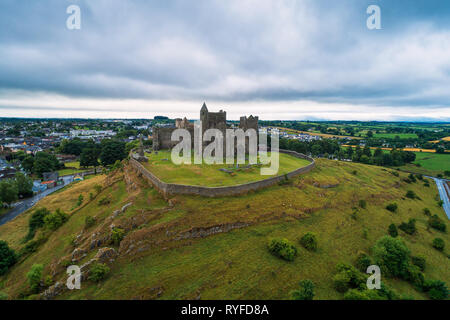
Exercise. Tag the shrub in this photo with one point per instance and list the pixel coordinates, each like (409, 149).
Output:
(104, 201)
(362, 204)
(412, 177)
(363, 261)
(36, 221)
(34, 277)
(91, 196)
(117, 234)
(437, 223)
(437, 290)
(419, 261)
(306, 291)
(426, 212)
(54, 220)
(408, 227)
(392, 207)
(392, 255)
(415, 276)
(392, 230)
(411, 194)
(89, 222)
(98, 272)
(348, 277)
(7, 257)
(440, 203)
(438, 244)
(98, 188)
(309, 241)
(80, 200)
(3, 296)
(282, 248)
(354, 294)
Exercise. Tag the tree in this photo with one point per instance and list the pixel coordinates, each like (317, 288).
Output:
(24, 185)
(28, 163)
(392, 230)
(112, 151)
(392, 255)
(378, 153)
(89, 157)
(34, 277)
(306, 291)
(309, 241)
(8, 191)
(45, 162)
(7, 257)
(438, 244)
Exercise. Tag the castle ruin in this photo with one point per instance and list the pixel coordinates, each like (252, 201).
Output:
(209, 120)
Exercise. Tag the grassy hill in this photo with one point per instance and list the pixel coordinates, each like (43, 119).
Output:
(210, 174)
(192, 247)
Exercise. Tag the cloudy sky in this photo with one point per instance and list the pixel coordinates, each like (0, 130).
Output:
(296, 59)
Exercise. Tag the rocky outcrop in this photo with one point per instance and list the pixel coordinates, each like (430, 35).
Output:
(53, 291)
(106, 255)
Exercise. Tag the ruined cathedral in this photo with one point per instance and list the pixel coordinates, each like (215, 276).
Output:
(209, 120)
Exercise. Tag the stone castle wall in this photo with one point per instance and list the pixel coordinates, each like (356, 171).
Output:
(168, 189)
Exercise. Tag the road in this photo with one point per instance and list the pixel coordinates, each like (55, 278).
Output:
(27, 203)
(442, 187)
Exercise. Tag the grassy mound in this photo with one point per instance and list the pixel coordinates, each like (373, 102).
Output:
(211, 175)
(193, 247)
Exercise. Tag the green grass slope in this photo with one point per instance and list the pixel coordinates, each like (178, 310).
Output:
(192, 247)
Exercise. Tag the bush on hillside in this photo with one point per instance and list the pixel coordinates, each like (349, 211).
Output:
(408, 227)
(392, 255)
(392, 207)
(419, 261)
(7, 257)
(34, 277)
(117, 235)
(282, 248)
(362, 204)
(411, 194)
(306, 291)
(98, 272)
(437, 290)
(89, 222)
(362, 262)
(309, 241)
(36, 221)
(55, 220)
(104, 201)
(348, 277)
(392, 230)
(437, 223)
(438, 244)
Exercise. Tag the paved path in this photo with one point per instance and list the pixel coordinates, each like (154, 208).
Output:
(27, 203)
(442, 187)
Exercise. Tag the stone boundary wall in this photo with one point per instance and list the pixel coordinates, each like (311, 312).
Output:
(171, 189)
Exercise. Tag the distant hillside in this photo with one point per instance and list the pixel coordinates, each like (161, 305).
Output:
(201, 248)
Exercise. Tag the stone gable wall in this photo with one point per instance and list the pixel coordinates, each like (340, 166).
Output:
(168, 189)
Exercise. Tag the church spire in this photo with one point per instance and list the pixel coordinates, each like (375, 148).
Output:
(204, 108)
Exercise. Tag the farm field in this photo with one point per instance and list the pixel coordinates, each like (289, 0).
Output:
(210, 175)
(430, 163)
(72, 168)
(394, 135)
